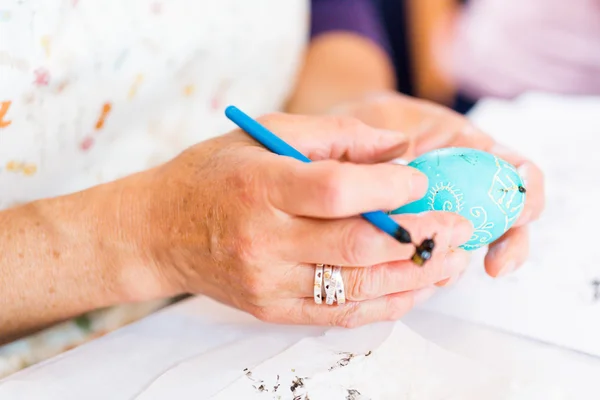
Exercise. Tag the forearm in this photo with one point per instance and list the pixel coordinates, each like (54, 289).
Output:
(340, 66)
(62, 257)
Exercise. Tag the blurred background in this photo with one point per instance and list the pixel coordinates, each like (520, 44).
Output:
(458, 51)
(418, 30)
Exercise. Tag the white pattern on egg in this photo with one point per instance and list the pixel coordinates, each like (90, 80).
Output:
(481, 233)
(447, 205)
(481, 187)
(499, 186)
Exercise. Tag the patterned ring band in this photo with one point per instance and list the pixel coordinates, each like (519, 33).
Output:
(340, 292)
(328, 284)
(318, 287)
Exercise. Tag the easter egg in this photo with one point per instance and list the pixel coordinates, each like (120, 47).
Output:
(478, 185)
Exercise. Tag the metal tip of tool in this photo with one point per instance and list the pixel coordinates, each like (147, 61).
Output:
(423, 252)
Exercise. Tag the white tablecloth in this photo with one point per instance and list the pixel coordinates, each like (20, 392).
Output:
(480, 339)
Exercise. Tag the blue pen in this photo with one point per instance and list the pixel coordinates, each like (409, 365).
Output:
(276, 145)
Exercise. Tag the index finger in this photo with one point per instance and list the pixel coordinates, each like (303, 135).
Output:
(337, 137)
(331, 189)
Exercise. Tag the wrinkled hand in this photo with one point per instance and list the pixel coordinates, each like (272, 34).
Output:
(429, 126)
(233, 221)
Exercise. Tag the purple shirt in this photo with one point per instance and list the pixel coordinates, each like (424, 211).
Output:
(358, 16)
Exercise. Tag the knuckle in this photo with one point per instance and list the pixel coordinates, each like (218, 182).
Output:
(380, 111)
(347, 317)
(246, 243)
(333, 194)
(396, 310)
(361, 284)
(272, 119)
(439, 223)
(245, 248)
(417, 277)
(402, 191)
(263, 314)
(436, 270)
(355, 241)
(250, 189)
(305, 315)
(441, 219)
(345, 123)
(255, 288)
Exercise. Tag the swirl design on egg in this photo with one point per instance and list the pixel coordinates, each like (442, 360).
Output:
(481, 234)
(445, 197)
(479, 186)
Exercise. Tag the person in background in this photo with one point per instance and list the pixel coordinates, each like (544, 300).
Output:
(118, 188)
(503, 48)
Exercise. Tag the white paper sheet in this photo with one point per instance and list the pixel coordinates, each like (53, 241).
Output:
(202, 350)
(335, 365)
(551, 298)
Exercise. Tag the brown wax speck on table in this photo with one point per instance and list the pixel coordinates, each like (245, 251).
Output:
(259, 386)
(297, 383)
(353, 394)
(596, 286)
(342, 362)
(346, 358)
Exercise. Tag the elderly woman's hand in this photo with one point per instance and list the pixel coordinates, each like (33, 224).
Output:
(233, 221)
(430, 126)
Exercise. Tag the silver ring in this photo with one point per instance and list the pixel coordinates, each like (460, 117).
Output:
(329, 285)
(340, 293)
(328, 282)
(318, 286)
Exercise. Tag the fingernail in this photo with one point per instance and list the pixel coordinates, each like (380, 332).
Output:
(444, 283)
(524, 218)
(418, 185)
(422, 295)
(508, 268)
(399, 161)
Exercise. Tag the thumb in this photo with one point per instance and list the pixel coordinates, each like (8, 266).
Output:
(337, 137)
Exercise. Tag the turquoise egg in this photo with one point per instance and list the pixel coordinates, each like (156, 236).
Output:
(477, 185)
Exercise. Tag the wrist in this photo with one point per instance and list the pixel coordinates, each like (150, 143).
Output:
(113, 223)
(133, 231)
(71, 254)
(340, 67)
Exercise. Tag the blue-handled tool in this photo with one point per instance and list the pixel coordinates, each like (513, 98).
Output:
(276, 145)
